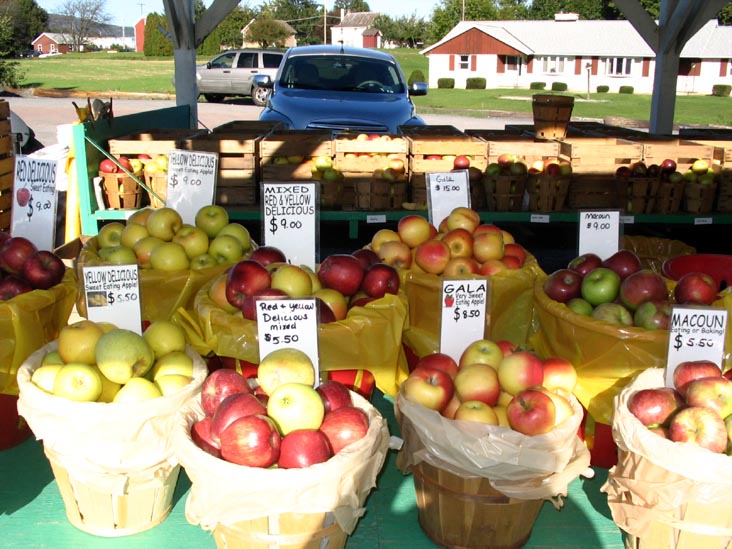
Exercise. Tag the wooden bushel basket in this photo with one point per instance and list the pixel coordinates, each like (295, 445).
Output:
(467, 512)
(121, 191)
(158, 182)
(547, 193)
(505, 193)
(699, 198)
(638, 194)
(668, 199)
(551, 115)
(378, 194)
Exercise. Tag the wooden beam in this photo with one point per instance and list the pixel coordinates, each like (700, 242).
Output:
(703, 12)
(641, 21)
(211, 18)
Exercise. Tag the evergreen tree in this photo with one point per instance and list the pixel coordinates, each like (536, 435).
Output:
(26, 20)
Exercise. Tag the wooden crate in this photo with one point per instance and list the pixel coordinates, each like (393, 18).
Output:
(7, 166)
(669, 196)
(529, 149)
(356, 155)
(699, 198)
(599, 155)
(683, 152)
(593, 191)
(284, 154)
(262, 127)
(547, 193)
(505, 193)
(446, 148)
(152, 142)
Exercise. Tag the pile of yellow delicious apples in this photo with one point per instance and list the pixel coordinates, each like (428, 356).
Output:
(461, 245)
(157, 238)
(99, 362)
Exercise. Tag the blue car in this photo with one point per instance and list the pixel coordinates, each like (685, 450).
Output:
(340, 88)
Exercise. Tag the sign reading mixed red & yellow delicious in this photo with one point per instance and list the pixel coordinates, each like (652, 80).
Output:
(464, 305)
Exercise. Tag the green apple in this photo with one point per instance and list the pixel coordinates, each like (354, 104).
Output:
(203, 261)
(163, 223)
(132, 234)
(165, 336)
(161, 161)
(118, 255)
(144, 248)
(123, 354)
(136, 164)
(580, 306)
(240, 232)
(51, 357)
(77, 341)
(212, 219)
(44, 376)
(137, 389)
(173, 363)
(140, 216)
(172, 383)
(109, 234)
(292, 280)
(323, 162)
(193, 239)
(79, 382)
(285, 365)
(226, 249)
(295, 406)
(169, 256)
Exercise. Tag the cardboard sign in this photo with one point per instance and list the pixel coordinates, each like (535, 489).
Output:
(445, 192)
(464, 305)
(34, 201)
(112, 294)
(599, 232)
(289, 220)
(191, 182)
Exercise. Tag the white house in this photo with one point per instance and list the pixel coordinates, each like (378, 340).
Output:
(356, 30)
(582, 54)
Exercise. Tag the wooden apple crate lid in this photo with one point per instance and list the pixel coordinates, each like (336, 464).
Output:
(305, 143)
(599, 154)
(152, 142)
(347, 143)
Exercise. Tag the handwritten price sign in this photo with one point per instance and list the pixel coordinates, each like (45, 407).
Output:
(464, 304)
(112, 294)
(445, 192)
(599, 233)
(34, 201)
(290, 220)
(695, 334)
(191, 182)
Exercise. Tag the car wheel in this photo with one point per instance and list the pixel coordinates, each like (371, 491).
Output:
(260, 96)
(213, 97)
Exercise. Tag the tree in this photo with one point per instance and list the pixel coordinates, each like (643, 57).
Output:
(156, 42)
(27, 21)
(450, 13)
(86, 17)
(586, 9)
(725, 15)
(406, 32)
(10, 74)
(228, 34)
(305, 16)
(268, 33)
(354, 6)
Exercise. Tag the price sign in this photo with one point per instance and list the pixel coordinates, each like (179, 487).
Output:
(599, 232)
(34, 201)
(113, 295)
(191, 182)
(695, 333)
(288, 323)
(464, 305)
(289, 220)
(445, 192)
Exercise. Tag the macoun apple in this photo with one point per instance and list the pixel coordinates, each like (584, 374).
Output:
(477, 382)
(341, 272)
(477, 411)
(366, 257)
(696, 288)
(482, 351)
(463, 217)
(623, 262)
(380, 279)
(653, 315)
(438, 361)
(531, 412)
(585, 263)
(344, 426)
(294, 405)
(211, 219)
(655, 406)
(688, 371)
(614, 313)
(580, 306)
(701, 426)
(460, 242)
(415, 229)
(303, 448)
(12, 285)
(14, 252)
(252, 441)
(232, 408)
(713, 392)
(285, 365)
(267, 255)
(600, 285)
(641, 286)
(334, 394)
(559, 375)
(563, 285)
(462, 266)
(201, 436)
(77, 381)
(244, 279)
(519, 371)
(429, 387)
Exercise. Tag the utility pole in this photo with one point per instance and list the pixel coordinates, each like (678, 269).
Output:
(142, 6)
(325, 26)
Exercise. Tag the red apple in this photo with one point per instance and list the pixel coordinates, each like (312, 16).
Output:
(244, 279)
(460, 242)
(232, 408)
(44, 269)
(461, 162)
(14, 252)
(559, 375)
(303, 448)
(341, 272)
(688, 371)
(432, 256)
(515, 250)
(585, 263)
(623, 171)
(439, 361)
(201, 436)
(249, 309)
(653, 315)
(218, 385)
(344, 426)
(252, 441)
(700, 426)
(531, 412)
(266, 255)
(507, 347)
(623, 262)
(380, 279)
(334, 394)
(478, 382)
(519, 371)
(654, 407)
(668, 166)
(696, 288)
(641, 286)
(11, 285)
(461, 266)
(22, 197)
(108, 166)
(429, 387)
(713, 392)
(639, 168)
(125, 163)
(366, 257)
(511, 262)
(563, 285)
(325, 313)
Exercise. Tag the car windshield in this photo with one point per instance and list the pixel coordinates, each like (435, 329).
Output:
(341, 73)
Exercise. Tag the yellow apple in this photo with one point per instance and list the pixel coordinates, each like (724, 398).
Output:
(79, 382)
(132, 234)
(109, 389)
(172, 383)
(164, 336)
(335, 300)
(44, 376)
(143, 250)
(123, 354)
(169, 256)
(137, 389)
(292, 280)
(240, 232)
(77, 342)
(174, 363)
(285, 365)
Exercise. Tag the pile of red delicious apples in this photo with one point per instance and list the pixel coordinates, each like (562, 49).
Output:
(496, 384)
(23, 267)
(342, 281)
(461, 245)
(283, 421)
(697, 409)
(618, 290)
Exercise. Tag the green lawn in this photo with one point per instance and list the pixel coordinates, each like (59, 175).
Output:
(131, 72)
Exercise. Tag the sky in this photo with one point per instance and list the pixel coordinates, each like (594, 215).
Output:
(128, 12)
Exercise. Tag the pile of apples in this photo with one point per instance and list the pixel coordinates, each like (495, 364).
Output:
(142, 162)
(281, 420)
(462, 245)
(341, 281)
(698, 172)
(696, 410)
(99, 362)
(23, 267)
(157, 238)
(618, 290)
(511, 164)
(497, 384)
(393, 168)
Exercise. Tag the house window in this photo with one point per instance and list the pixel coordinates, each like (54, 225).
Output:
(552, 64)
(618, 66)
(53, 48)
(512, 62)
(463, 62)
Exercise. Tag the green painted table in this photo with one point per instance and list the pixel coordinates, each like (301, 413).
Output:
(32, 513)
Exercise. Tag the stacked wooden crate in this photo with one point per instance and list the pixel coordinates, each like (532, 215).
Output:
(7, 166)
